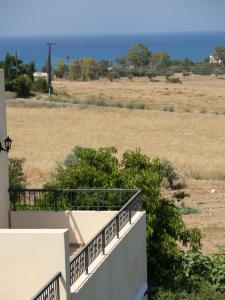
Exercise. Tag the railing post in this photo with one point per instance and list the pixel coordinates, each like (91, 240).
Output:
(55, 201)
(118, 226)
(103, 242)
(58, 290)
(86, 260)
(130, 213)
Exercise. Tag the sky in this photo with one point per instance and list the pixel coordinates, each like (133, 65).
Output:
(60, 17)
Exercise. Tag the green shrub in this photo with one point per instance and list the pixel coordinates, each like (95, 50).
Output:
(17, 179)
(188, 210)
(41, 85)
(168, 108)
(174, 80)
(169, 172)
(203, 291)
(23, 86)
(113, 75)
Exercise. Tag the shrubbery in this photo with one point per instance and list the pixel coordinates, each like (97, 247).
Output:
(22, 86)
(89, 168)
(41, 85)
(17, 179)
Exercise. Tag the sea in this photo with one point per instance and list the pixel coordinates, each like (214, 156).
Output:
(192, 45)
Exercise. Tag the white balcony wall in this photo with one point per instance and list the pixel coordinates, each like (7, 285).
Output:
(122, 272)
(4, 179)
(82, 225)
(29, 258)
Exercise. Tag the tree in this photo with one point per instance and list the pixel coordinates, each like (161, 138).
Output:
(9, 68)
(102, 67)
(27, 69)
(139, 55)
(61, 69)
(75, 70)
(89, 168)
(88, 69)
(219, 53)
(41, 85)
(23, 85)
(164, 59)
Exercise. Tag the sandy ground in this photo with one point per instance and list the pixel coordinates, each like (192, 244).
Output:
(196, 93)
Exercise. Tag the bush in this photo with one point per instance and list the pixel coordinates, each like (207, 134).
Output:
(168, 171)
(17, 179)
(188, 210)
(23, 86)
(41, 85)
(113, 75)
(174, 80)
(168, 108)
(150, 75)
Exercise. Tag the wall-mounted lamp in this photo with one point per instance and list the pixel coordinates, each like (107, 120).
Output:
(7, 143)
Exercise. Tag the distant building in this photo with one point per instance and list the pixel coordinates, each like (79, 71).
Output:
(40, 75)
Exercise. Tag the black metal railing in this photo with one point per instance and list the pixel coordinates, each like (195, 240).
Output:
(69, 199)
(126, 201)
(80, 263)
(51, 290)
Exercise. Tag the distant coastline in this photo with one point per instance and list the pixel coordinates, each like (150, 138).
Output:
(193, 45)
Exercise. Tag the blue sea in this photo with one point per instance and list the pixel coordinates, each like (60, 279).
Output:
(195, 46)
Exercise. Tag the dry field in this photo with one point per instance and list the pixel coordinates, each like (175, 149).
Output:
(196, 93)
(194, 142)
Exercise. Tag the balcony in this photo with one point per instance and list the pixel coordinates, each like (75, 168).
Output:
(87, 244)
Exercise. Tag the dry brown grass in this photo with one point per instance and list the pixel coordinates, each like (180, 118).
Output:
(196, 93)
(194, 143)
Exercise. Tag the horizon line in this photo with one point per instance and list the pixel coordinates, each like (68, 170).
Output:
(111, 34)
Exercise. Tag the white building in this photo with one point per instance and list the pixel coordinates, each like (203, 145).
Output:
(40, 75)
(78, 254)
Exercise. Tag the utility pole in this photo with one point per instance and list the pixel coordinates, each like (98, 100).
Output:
(50, 67)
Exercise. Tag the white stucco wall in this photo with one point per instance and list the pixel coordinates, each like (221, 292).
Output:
(29, 258)
(82, 225)
(122, 275)
(4, 184)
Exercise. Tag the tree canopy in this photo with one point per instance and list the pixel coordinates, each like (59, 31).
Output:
(139, 55)
(89, 168)
(219, 53)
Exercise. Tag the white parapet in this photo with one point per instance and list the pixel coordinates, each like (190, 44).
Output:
(4, 178)
(29, 258)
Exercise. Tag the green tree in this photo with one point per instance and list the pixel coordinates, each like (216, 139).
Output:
(10, 68)
(102, 67)
(61, 69)
(23, 85)
(17, 178)
(219, 53)
(75, 70)
(27, 69)
(88, 168)
(88, 69)
(41, 85)
(139, 55)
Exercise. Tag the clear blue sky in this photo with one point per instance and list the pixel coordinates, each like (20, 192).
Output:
(38, 17)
